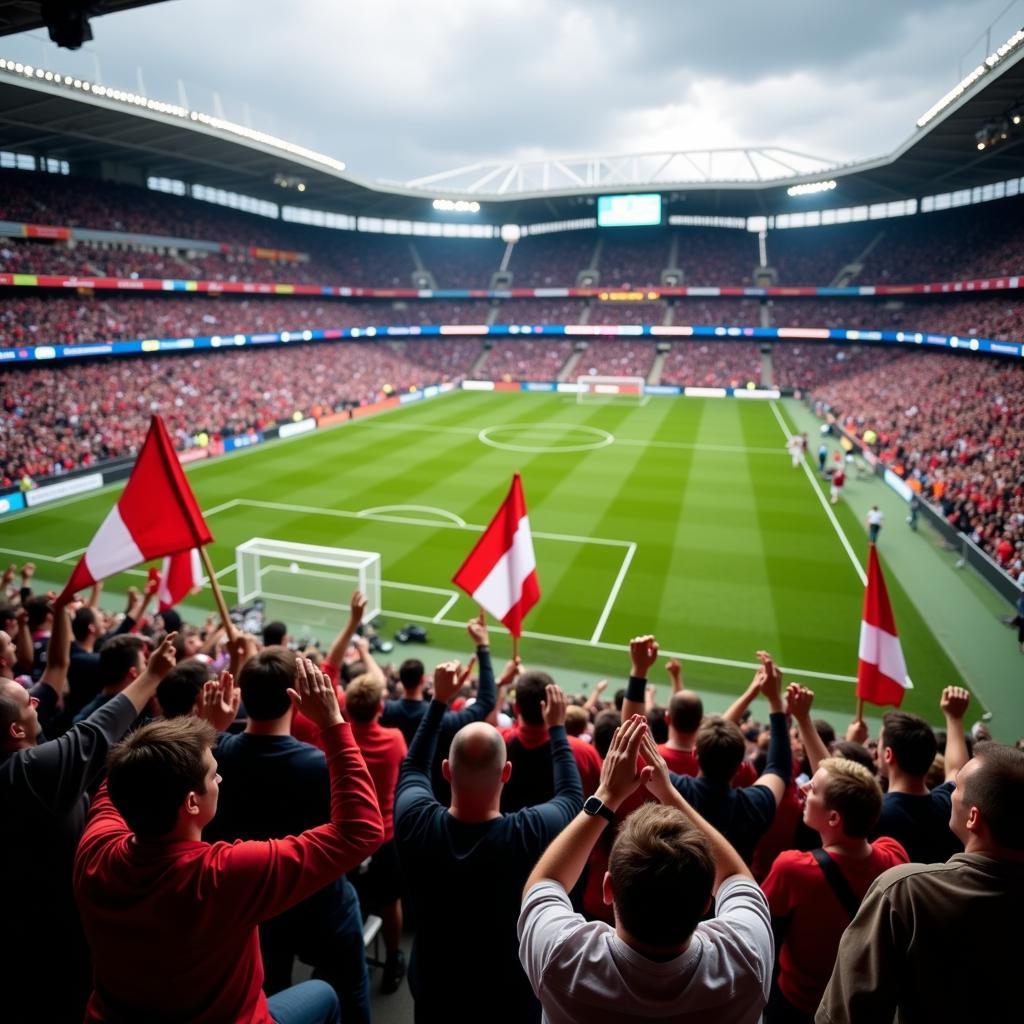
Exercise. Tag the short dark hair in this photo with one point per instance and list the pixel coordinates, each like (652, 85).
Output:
(39, 610)
(7, 611)
(685, 711)
(264, 682)
(854, 752)
(118, 656)
(410, 673)
(619, 699)
(657, 725)
(662, 871)
(84, 620)
(181, 686)
(151, 772)
(531, 692)
(274, 634)
(825, 731)
(720, 749)
(996, 788)
(911, 740)
(604, 730)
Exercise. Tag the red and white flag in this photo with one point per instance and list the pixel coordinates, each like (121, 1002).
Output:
(180, 575)
(156, 515)
(881, 670)
(500, 573)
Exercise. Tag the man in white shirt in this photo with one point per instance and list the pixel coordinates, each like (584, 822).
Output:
(875, 518)
(660, 960)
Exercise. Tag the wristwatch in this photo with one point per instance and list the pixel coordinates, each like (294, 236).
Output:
(595, 807)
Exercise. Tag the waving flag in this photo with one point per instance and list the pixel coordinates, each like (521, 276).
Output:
(500, 573)
(180, 575)
(881, 670)
(156, 515)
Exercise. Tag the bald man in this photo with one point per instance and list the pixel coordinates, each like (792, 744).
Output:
(466, 864)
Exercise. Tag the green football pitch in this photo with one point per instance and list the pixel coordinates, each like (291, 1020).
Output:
(678, 517)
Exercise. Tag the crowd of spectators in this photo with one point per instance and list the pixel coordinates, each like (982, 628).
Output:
(952, 425)
(541, 311)
(555, 260)
(807, 364)
(640, 858)
(718, 364)
(526, 359)
(633, 258)
(616, 357)
(630, 313)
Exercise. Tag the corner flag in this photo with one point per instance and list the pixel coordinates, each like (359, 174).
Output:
(881, 670)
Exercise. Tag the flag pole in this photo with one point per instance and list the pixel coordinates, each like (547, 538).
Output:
(225, 618)
(515, 647)
(860, 709)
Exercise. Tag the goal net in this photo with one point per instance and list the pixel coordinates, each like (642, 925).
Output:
(593, 388)
(308, 586)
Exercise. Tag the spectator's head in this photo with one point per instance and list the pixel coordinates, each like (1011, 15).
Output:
(989, 794)
(854, 752)
(685, 712)
(576, 720)
(531, 692)
(275, 634)
(171, 620)
(825, 732)
(657, 725)
(264, 682)
(163, 778)
(85, 624)
(659, 878)
(720, 749)
(39, 613)
(8, 655)
(122, 659)
(906, 742)
(8, 619)
(187, 643)
(619, 699)
(842, 799)
(477, 766)
(19, 722)
(412, 675)
(604, 731)
(364, 698)
(179, 689)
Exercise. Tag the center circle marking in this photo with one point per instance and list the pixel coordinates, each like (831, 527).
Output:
(601, 438)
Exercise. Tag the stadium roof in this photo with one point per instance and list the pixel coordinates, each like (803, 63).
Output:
(96, 128)
(25, 15)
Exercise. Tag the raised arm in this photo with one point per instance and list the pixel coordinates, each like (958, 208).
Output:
(727, 861)
(798, 704)
(643, 653)
(23, 642)
(675, 674)
(779, 767)
(357, 607)
(953, 703)
(595, 695)
(738, 708)
(362, 645)
(486, 692)
(564, 860)
(58, 653)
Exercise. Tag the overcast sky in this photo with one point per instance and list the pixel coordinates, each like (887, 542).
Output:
(401, 89)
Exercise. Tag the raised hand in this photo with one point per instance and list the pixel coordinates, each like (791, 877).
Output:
(356, 608)
(28, 570)
(512, 671)
(771, 680)
(659, 784)
(163, 659)
(857, 731)
(954, 701)
(600, 686)
(218, 702)
(478, 630)
(446, 681)
(643, 653)
(798, 700)
(313, 694)
(554, 707)
(619, 775)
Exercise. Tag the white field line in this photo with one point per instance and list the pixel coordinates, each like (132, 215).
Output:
(610, 603)
(858, 568)
(439, 617)
(71, 554)
(552, 638)
(369, 513)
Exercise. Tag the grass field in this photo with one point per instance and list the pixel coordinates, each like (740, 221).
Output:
(681, 517)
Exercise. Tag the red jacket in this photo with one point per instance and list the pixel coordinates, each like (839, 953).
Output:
(172, 925)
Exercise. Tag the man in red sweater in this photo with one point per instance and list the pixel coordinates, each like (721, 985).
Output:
(380, 887)
(813, 896)
(172, 920)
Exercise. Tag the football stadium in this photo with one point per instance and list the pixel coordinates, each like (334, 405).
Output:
(275, 429)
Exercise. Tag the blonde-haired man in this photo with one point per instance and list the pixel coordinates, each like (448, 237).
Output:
(813, 895)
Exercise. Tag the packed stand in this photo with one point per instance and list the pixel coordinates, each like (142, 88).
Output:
(551, 261)
(808, 364)
(631, 313)
(714, 312)
(54, 421)
(525, 359)
(617, 359)
(633, 259)
(952, 425)
(541, 311)
(460, 262)
(719, 364)
(642, 859)
(815, 256)
(716, 256)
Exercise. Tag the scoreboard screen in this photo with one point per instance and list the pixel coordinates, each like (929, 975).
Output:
(629, 211)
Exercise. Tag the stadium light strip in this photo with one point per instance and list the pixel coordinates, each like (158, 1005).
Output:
(961, 87)
(133, 99)
(810, 188)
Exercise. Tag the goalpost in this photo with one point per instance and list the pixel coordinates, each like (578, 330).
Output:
(592, 388)
(308, 580)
